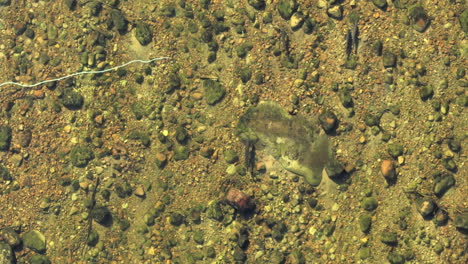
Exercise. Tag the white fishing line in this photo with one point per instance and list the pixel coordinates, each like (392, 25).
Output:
(83, 72)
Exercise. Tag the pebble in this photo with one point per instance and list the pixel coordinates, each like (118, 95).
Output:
(401, 160)
(388, 170)
(296, 20)
(139, 191)
(335, 12)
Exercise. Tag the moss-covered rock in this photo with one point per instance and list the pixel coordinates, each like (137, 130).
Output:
(140, 135)
(4, 173)
(389, 238)
(214, 91)
(35, 241)
(93, 238)
(443, 184)
(365, 221)
(230, 156)
(39, 259)
(380, 3)
(426, 92)
(286, 8)
(245, 74)
(81, 155)
(364, 253)
(369, 203)
(123, 189)
(199, 237)
(345, 98)
(5, 2)
(181, 153)
(5, 138)
(464, 21)
(143, 34)
(6, 254)
(395, 258)
(257, 4)
(181, 135)
(395, 150)
(371, 120)
(71, 99)
(461, 221)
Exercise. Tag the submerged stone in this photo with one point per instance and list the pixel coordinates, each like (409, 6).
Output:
(294, 141)
(35, 240)
(6, 254)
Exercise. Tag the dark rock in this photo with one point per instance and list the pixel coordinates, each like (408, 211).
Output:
(239, 200)
(118, 20)
(176, 219)
(388, 59)
(81, 155)
(245, 74)
(123, 190)
(419, 18)
(345, 98)
(443, 184)
(4, 173)
(278, 231)
(449, 164)
(461, 221)
(5, 138)
(143, 34)
(328, 121)
(71, 4)
(257, 4)
(230, 156)
(71, 99)
(334, 169)
(101, 214)
(426, 92)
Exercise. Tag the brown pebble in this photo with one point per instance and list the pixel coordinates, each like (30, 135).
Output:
(161, 157)
(239, 200)
(388, 170)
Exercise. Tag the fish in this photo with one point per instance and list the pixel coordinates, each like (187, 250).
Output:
(355, 37)
(349, 43)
